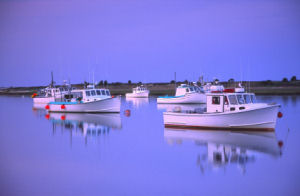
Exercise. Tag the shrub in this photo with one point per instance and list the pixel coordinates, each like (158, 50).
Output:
(293, 79)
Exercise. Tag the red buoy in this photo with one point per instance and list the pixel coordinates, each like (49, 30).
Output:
(279, 115)
(63, 117)
(127, 113)
(112, 96)
(47, 116)
(63, 107)
(47, 107)
(280, 143)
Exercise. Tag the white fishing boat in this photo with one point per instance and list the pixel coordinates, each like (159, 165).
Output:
(227, 109)
(138, 92)
(87, 100)
(185, 94)
(51, 93)
(212, 87)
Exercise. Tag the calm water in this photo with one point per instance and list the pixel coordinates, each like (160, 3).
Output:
(94, 154)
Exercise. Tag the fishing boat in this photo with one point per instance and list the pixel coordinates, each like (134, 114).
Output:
(227, 109)
(86, 100)
(185, 94)
(138, 92)
(51, 93)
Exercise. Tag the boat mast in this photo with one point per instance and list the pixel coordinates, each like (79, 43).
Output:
(52, 82)
(175, 80)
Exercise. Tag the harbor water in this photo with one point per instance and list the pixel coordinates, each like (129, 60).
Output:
(131, 153)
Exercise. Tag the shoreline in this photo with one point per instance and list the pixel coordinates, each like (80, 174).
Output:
(259, 88)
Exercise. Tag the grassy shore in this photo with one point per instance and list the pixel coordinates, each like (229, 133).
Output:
(258, 87)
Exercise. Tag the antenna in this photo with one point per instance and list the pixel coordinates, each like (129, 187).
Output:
(93, 77)
(175, 80)
(52, 82)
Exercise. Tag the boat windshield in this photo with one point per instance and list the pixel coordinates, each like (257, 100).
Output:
(240, 99)
(93, 93)
(107, 92)
(98, 92)
(247, 98)
(253, 98)
(103, 92)
(232, 100)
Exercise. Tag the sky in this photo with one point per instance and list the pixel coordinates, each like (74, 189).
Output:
(148, 40)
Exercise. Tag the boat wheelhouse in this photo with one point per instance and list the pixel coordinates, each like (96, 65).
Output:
(227, 109)
(138, 92)
(51, 94)
(185, 94)
(87, 100)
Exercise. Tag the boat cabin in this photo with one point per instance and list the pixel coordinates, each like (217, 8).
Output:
(54, 92)
(209, 87)
(185, 89)
(139, 89)
(229, 101)
(88, 95)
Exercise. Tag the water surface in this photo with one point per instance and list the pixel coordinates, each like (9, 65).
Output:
(133, 154)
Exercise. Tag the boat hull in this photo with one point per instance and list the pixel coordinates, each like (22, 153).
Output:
(137, 95)
(43, 100)
(263, 118)
(105, 106)
(187, 98)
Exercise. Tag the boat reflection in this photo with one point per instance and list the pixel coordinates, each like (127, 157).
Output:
(181, 107)
(85, 124)
(137, 102)
(226, 148)
(39, 106)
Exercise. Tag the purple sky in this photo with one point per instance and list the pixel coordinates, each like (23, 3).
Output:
(148, 41)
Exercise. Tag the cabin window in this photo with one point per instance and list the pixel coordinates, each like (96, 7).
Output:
(103, 92)
(77, 94)
(247, 98)
(253, 99)
(93, 93)
(240, 99)
(187, 90)
(225, 100)
(216, 100)
(107, 92)
(88, 93)
(232, 100)
(98, 92)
